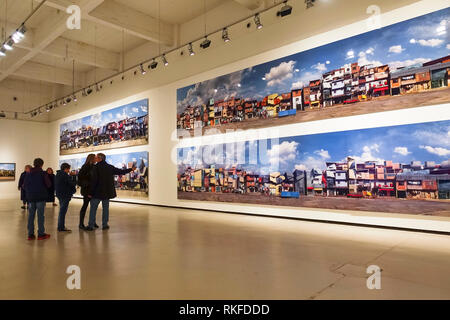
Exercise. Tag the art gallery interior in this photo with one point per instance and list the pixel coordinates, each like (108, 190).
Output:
(281, 149)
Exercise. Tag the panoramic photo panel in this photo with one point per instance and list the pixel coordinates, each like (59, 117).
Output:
(398, 169)
(400, 66)
(130, 186)
(124, 126)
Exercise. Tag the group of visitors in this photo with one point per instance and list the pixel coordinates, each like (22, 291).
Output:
(96, 179)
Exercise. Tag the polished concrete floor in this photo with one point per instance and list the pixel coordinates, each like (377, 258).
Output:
(161, 253)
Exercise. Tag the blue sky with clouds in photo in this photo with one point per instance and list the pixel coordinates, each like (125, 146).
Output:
(117, 160)
(135, 109)
(7, 166)
(404, 44)
(420, 142)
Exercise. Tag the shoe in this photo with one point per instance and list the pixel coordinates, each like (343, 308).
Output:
(89, 229)
(23, 207)
(44, 236)
(64, 230)
(82, 227)
(32, 237)
(96, 226)
(105, 228)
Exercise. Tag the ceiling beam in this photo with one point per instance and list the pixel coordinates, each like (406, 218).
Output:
(52, 28)
(42, 72)
(118, 16)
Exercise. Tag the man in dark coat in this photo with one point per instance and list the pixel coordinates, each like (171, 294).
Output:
(84, 181)
(65, 187)
(102, 189)
(36, 184)
(23, 196)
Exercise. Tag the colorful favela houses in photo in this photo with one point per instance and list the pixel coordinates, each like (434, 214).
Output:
(132, 185)
(402, 169)
(124, 126)
(400, 66)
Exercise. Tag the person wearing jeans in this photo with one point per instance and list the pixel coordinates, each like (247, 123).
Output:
(36, 183)
(65, 186)
(102, 189)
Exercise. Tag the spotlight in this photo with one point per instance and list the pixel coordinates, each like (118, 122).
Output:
(19, 34)
(309, 3)
(166, 63)
(83, 92)
(191, 50)
(142, 69)
(89, 90)
(68, 100)
(48, 108)
(153, 65)
(206, 43)
(225, 36)
(75, 98)
(258, 21)
(8, 45)
(2, 114)
(285, 10)
(2, 52)
(98, 87)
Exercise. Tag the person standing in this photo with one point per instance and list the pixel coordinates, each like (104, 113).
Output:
(65, 186)
(102, 189)
(84, 181)
(23, 196)
(36, 186)
(51, 191)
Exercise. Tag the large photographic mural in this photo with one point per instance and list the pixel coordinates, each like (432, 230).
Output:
(130, 186)
(400, 66)
(401, 169)
(124, 126)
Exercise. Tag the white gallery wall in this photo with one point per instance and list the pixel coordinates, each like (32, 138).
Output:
(276, 40)
(21, 142)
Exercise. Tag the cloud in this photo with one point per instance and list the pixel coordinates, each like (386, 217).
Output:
(396, 49)
(370, 51)
(442, 152)
(432, 135)
(135, 109)
(301, 167)
(368, 154)
(393, 65)
(448, 46)
(282, 153)
(427, 43)
(328, 62)
(350, 54)
(297, 85)
(364, 61)
(402, 150)
(323, 154)
(320, 67)
(280, 73)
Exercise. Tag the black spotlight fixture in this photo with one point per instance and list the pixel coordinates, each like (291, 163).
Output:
(153, 65)
(166, 63)
(89, 90)
(206, 43)
(68, 100)
(191, 50)
(258, 22)
(2, 114)
(225, 36)
(141, 67)
(285, 10)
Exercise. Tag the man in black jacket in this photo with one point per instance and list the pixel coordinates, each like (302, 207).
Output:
(36, 184)
(102, 189)
(65, 187)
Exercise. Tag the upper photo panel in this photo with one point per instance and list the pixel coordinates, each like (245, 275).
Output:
(404, 65)
(124, 126)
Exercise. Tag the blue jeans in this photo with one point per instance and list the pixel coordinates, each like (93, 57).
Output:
(32, 208)
(93, 212)
(63, 207)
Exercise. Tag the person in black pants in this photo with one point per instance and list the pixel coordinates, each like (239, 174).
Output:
(65, 187)
(51, 190)
(84, 180)
(23, 196)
